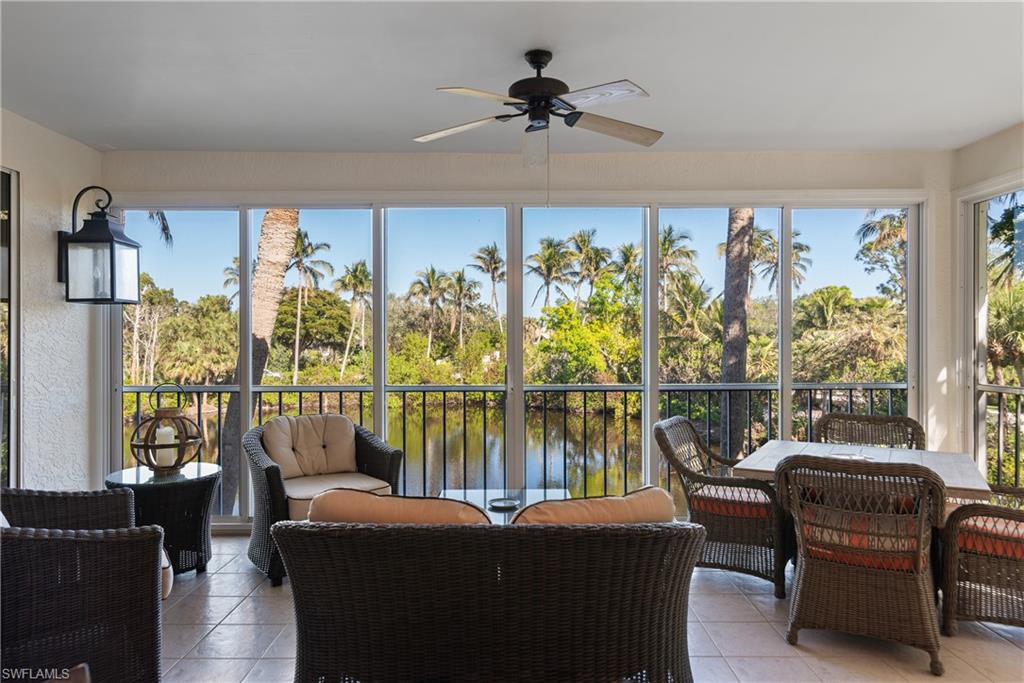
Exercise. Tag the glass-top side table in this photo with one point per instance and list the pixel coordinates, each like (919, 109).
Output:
(181, 503)
(479, 497)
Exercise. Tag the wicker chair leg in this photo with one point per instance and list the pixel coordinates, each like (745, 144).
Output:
(950, 627)
(791, 635)
(780, 576)
(936, 665)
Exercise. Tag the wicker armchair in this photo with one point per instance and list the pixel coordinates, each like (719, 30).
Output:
(864, 536)
(870, 430)
(747, 529)
(80, 584)
(983, 573)
(481, 603)
(373, 457)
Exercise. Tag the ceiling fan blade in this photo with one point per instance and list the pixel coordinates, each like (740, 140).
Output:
(607, 93)
(484, 95)
(630, 132)
(445, 132)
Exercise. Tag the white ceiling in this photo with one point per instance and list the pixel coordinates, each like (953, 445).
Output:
(360, 77)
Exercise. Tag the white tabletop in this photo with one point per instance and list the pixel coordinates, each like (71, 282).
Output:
(958, 470)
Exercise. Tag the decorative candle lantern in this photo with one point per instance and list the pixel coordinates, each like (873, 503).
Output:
(168, 440)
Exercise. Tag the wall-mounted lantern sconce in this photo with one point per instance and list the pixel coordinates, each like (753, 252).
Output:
(98, 264)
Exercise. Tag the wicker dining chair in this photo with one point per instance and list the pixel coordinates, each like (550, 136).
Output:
(748, 531)
(983, 558)
(893, 431)
(864, 542)
(80, 584)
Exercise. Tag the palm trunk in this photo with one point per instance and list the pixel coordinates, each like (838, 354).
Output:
(736, 303)
(135, 344)
(151, 350)
(298, 327)
(348, 342)
(494, 302)
(277, 240)
(462, 320)
(430, 331)
(362, 325)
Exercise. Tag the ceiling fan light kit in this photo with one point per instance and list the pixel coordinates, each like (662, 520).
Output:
(540, 97)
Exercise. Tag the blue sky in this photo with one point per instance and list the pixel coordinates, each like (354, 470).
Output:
(206, 241)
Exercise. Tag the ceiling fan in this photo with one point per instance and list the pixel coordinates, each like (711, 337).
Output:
(540, 97)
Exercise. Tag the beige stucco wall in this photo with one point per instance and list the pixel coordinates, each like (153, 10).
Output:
(63, 427)
(989, 157)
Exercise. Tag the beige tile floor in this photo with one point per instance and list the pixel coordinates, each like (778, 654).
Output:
(231, 625)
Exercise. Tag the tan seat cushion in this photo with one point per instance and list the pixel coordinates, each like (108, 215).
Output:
(166, 575)
(647, 505)
(358, 507)
(307, 445)
(302, 490)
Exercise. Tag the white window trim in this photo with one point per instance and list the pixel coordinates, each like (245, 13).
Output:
(968, 318)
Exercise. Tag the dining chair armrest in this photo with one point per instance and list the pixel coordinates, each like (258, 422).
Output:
(763, 487)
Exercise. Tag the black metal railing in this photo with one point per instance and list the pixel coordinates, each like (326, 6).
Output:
(1002, 432)
(588, 439)
(453, 436)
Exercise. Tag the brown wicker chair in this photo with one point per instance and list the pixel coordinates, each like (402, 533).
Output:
(983, 573)
(89, 595)
(373, 457)
(864, 536)
(748, 531)
(484, 603)
(870, 430)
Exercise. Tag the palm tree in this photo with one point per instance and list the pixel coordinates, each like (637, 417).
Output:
(765, 257)
(673, 254)
(687, 312)
(881, 230)
(1006, 255)
(552, 263)
(821, 308)
(591, 260)
(276, 244)
(735, 305)
(159, 218)
(488, 260)
(628, 264)
(310, 272)
(430, 286)
(359, 283)
(461, 291)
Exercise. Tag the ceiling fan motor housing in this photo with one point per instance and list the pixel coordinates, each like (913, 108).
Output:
(537, 87)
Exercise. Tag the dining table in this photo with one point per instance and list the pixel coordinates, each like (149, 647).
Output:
(961, 475)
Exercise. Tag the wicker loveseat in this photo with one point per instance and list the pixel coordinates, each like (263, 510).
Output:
(482, 603)
(80, 584)
(307, 455)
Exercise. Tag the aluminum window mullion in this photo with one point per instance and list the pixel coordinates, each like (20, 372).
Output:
(379, 326)
(651, 378)
(915, 307)
(245, 384)
(515, 399)
(785, 333)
